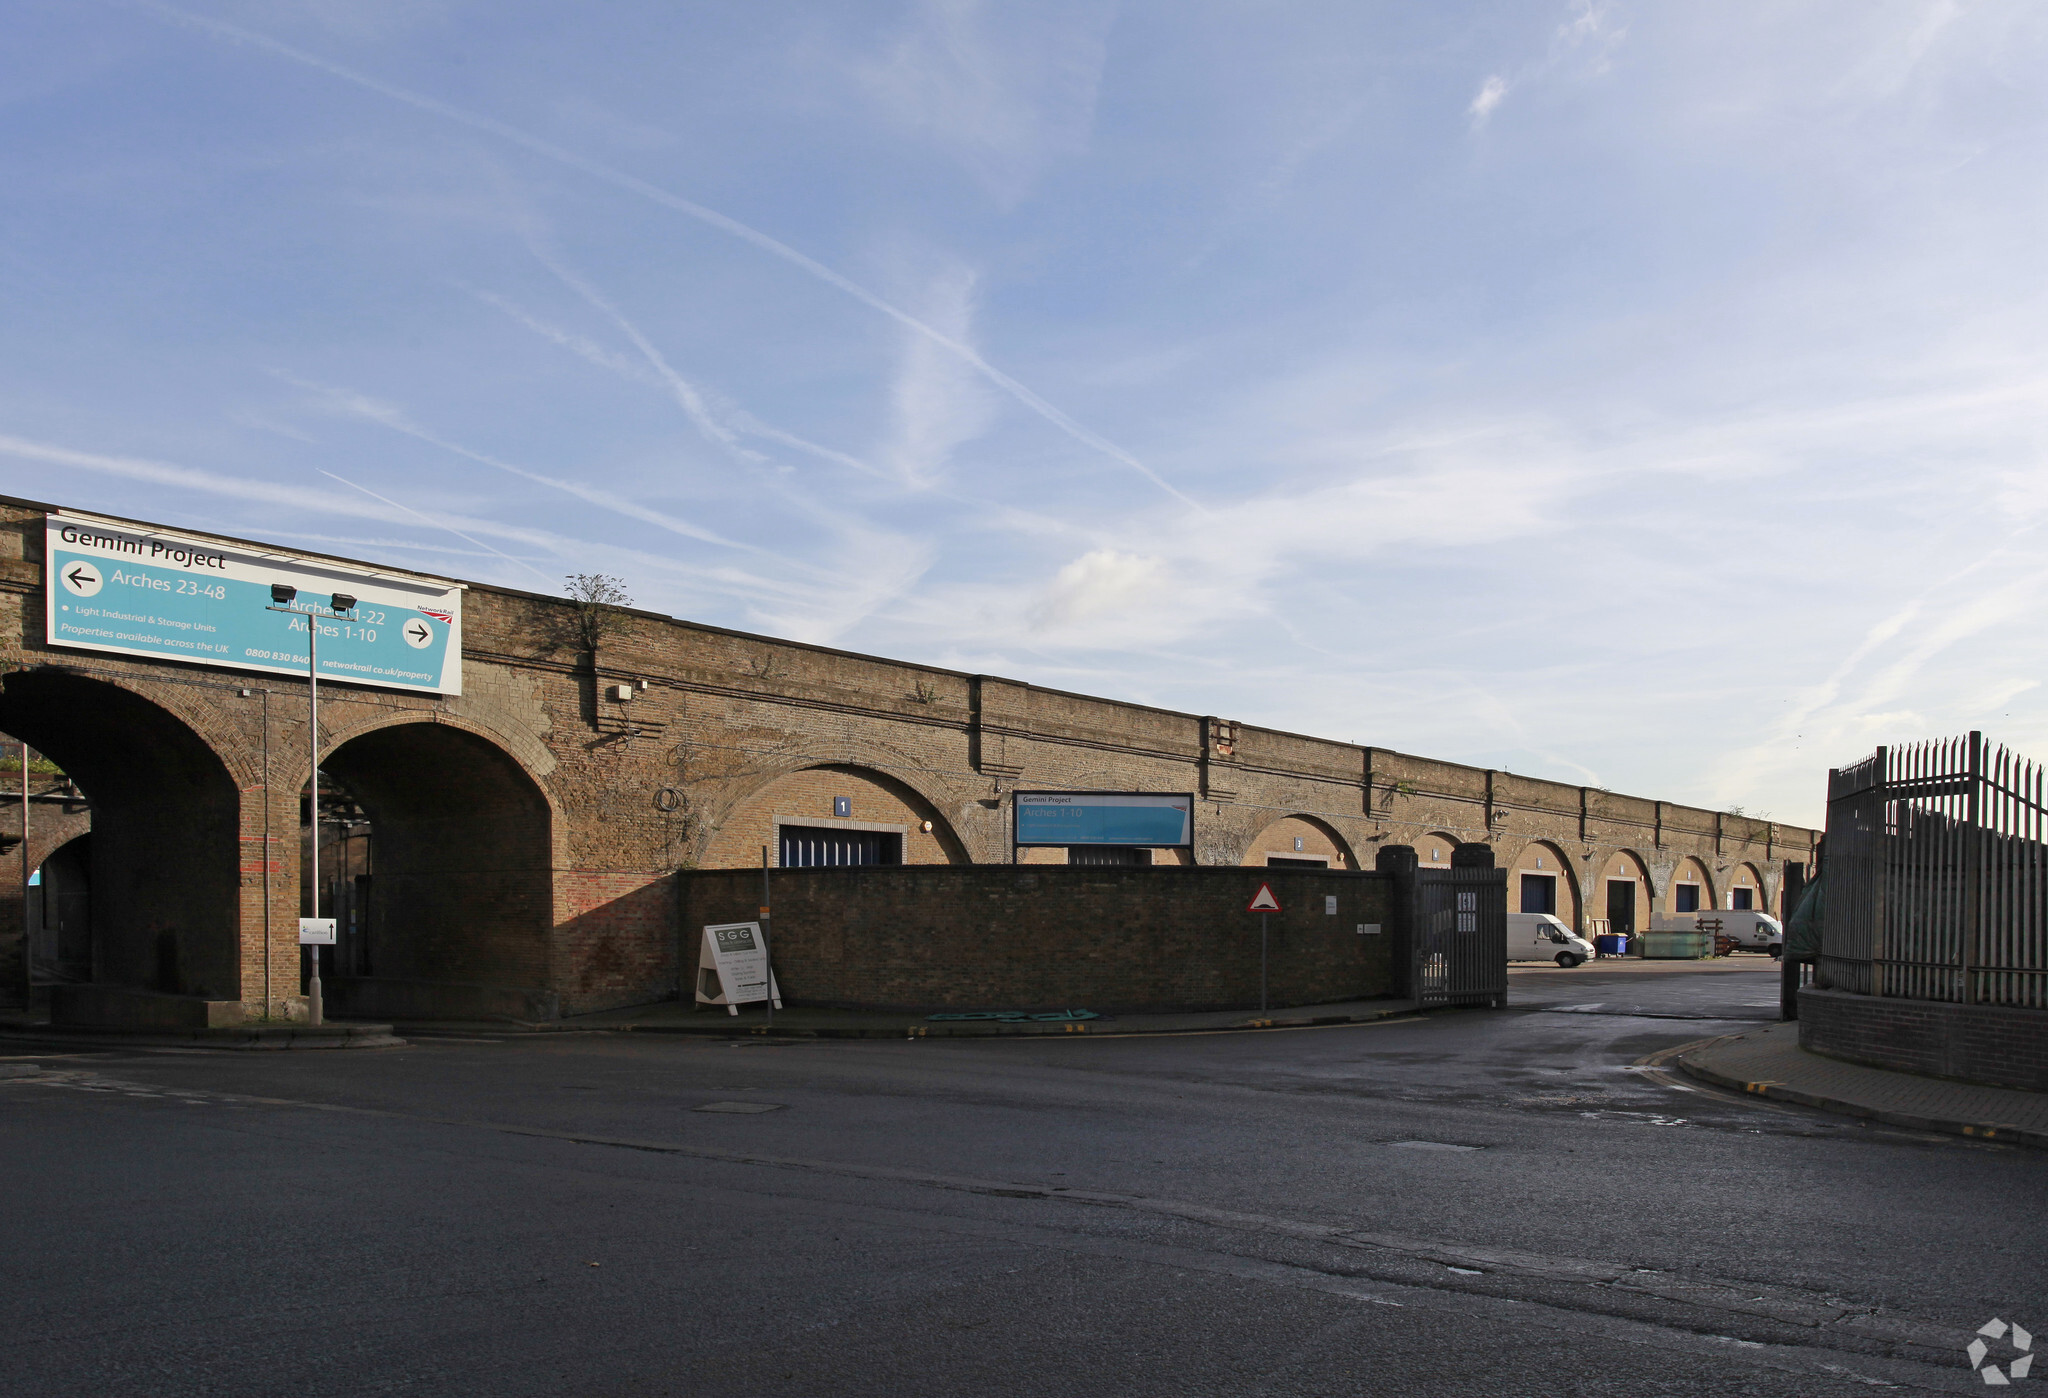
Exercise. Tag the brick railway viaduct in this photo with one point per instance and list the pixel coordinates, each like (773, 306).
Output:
(528, 833)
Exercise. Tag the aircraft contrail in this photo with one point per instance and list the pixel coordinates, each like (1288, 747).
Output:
(724, 223)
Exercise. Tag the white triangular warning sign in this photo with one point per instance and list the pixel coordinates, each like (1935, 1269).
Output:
(1265, 902)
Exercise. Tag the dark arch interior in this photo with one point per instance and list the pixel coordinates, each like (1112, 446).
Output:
(60, 914)
(461, 891)
(165, 849)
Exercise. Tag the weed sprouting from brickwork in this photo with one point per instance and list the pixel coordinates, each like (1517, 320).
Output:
(600, 599)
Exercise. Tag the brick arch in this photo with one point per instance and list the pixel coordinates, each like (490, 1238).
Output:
(1690, 869)
(1761, 899)
(803, 795)
(167, 912)
(60, 932)
(528, 753)
(1617, 864)
(1319, 839)
(1438, 841)
(462, 904)
(1555, 862)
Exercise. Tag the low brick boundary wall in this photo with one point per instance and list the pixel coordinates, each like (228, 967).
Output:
(1990, 1044)
(967, 937)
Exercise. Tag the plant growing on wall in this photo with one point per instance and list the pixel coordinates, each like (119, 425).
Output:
(600, 599)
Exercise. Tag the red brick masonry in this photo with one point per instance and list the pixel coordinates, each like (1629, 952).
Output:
(965, 937)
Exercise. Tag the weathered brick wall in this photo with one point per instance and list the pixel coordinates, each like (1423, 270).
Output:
(536, 786)
(1992, 1044)
(618, 939)
(1106, 939)
(1317, 840)
(807, 797)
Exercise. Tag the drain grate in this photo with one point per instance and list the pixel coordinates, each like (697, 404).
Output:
(739, 1107)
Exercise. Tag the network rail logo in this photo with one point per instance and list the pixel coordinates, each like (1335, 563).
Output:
(2016, 1338)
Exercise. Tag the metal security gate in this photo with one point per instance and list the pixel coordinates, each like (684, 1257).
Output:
(814, 847)
(1460, 919)
(1937, 876)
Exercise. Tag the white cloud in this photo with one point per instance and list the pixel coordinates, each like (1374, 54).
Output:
(936, 403)
(1006, 89)
(1097, 582)
(1583, 45)
(1490, 95)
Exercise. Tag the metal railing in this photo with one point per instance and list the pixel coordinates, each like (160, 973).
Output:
(1937, 876)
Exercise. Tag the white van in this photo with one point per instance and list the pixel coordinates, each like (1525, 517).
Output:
(1544, 937)
(1752, 929)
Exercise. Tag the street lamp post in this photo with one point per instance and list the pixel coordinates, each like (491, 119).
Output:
(282, 595)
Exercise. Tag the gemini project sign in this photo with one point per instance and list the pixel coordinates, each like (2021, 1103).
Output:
(1104, 818)
(137, 590)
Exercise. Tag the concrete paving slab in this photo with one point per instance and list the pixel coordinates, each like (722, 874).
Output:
(1770, 1063)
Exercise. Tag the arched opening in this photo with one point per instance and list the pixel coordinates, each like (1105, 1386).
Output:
(1691, 891)
(1624, 892)
(60, 915)
(1433, 851)
(1300, 842)
(438, 846)
(347, 873)
(1746, 888)
(833, 815)
(1541, 881)
(163, 864)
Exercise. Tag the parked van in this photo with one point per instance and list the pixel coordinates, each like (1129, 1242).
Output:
(1751, 929)
(1544, 937)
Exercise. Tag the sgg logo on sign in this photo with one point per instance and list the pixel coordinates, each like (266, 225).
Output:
(735, 938)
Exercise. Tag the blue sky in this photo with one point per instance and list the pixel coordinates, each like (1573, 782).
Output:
(1650, 396)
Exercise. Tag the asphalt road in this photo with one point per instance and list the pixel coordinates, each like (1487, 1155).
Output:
(1470, 1202)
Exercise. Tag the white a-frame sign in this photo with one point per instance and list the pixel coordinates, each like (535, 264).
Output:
(732, 968)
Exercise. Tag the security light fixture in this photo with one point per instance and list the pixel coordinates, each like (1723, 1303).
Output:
(283, 593)
(343, 602)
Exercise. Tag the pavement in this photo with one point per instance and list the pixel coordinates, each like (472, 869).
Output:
(1770, 1063)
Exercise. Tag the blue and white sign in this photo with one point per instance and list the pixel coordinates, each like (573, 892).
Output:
(1104, 818)
(137, 590)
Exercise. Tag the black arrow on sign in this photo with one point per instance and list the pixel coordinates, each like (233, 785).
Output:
(421, 633)
(79, 577)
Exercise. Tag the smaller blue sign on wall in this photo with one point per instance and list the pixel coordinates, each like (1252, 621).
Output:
(1105, 818)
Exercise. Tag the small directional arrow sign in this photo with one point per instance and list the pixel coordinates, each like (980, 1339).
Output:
(417, 634)
(1263, 901)
(82, 578)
